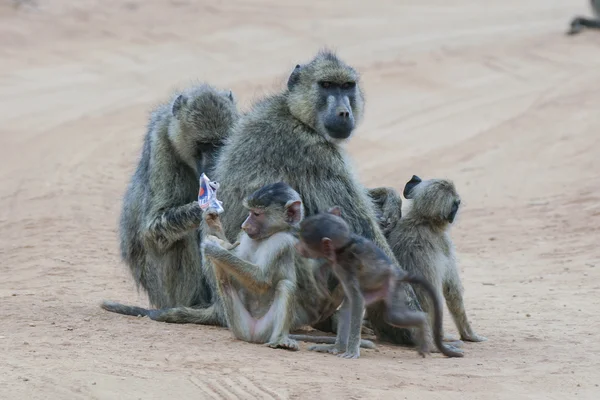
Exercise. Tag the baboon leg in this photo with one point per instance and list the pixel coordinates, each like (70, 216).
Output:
(343, 332)
(279, 318)
(453, 291)
(427, 303)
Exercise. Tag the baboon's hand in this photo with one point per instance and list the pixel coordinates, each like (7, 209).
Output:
(211, 217)
(215, 241)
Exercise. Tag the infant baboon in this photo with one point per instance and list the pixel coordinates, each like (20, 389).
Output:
(159, 236)
(580, 23)
(257, 279)
(368, 276)
(422, 244)
(296, 136)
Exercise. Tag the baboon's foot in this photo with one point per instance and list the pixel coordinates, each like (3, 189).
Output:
(326, 348)
(365, 330)
(285, 343)
(450, 338)
(473, 337)
(351, 354)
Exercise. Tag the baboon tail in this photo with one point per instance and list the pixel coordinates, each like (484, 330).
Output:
(438, 314)
(176, 315)
(365, 344)
(124, 309)
(188, 315)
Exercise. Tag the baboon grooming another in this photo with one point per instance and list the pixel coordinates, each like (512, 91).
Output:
(296, 136)
(257, 279)
(368, 276)
(580, 23)
(422, 244)
(159, 236)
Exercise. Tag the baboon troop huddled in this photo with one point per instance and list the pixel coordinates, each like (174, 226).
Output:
(249, 268)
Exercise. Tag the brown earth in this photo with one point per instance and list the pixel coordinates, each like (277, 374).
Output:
(493, 96)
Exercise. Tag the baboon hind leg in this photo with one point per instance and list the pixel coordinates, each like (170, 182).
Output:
(453, 294)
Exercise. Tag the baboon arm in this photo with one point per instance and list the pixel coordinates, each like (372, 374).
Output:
(254, 277)
(173, 224)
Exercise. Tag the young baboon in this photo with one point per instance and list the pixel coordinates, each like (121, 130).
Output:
(422, 244)
(257, 278)
(580, 23)
(159, 235)
(296, 136)
(368, 276)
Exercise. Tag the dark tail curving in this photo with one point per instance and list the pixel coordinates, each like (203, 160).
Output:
(175, 315)
(438, 313)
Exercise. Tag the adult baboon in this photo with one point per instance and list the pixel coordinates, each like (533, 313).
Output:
(159, 236)
(296, 136)
(580, 23)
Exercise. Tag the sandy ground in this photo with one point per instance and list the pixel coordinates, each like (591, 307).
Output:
(493, 96)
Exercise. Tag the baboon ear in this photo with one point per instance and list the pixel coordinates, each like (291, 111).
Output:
(410, 185)
(293, 212)
(179, 102)
(335, 210)
(294, 77)
(231, 96)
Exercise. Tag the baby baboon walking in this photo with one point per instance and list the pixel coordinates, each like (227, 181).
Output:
(159, 236)
(422, 244)
(368, 276)
(580, 23)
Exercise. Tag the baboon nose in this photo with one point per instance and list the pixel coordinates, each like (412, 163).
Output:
(344, 114)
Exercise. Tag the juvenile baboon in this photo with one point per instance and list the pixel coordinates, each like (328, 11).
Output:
(296, 136)
(257, 277)
(579, 23)
(159, 237)
(367, 276)
(422, 244)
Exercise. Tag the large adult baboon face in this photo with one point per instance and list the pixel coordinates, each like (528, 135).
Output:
(325, 95)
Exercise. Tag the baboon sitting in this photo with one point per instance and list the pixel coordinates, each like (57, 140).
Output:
(422, 244)
(159, 223)
(296, 136)
(580, 23)
(257, 278)
(368, 276)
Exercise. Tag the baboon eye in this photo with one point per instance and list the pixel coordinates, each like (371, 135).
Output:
(348, 85)
(325, 84)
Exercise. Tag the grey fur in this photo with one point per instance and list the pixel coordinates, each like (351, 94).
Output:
(580, 23)
(282, 138)
(159, 237)
(422, 244)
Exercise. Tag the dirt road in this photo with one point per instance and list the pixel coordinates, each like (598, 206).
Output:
(493, 96)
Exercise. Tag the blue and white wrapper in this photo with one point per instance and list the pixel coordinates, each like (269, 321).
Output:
(207, 195)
